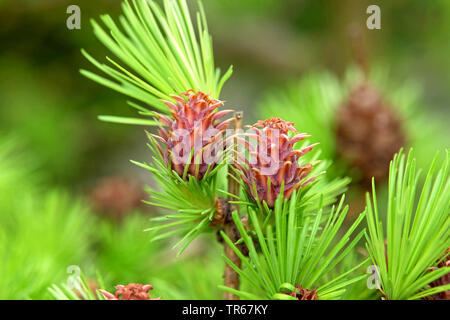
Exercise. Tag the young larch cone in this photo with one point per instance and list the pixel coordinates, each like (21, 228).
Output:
(369, 133)
(132, 291)
(304, 294)
(273, 163)
(444, 280)
(194, 133)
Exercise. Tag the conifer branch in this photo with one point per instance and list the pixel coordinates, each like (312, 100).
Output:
(157, 52)
(231, 277)
(408, 247)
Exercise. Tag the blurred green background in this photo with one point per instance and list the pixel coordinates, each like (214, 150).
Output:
(48, 120)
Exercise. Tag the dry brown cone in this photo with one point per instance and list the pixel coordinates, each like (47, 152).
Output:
(369, 133)
(116, 196)
(304, 294)
(444, 280)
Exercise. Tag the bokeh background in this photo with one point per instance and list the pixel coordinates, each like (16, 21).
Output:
(52, 140)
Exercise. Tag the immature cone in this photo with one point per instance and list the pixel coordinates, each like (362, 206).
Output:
(132, 291)
(194, 125)
(274, 161)
(304, 294)
(368, 133)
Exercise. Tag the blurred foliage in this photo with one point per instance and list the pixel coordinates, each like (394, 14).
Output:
(44, 231)
(139, 257)
(127, 254)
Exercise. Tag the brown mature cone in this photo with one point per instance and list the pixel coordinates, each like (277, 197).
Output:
(132, 291)
(115, 196)
(304, 294)
(444, 280)
(369, 133)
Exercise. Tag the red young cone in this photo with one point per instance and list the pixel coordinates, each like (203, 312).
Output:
(132, 291)
(194, 133)
(304, 294)
(274, 161)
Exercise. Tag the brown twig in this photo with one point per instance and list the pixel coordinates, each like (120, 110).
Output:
(359, 49)
(231, 278)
